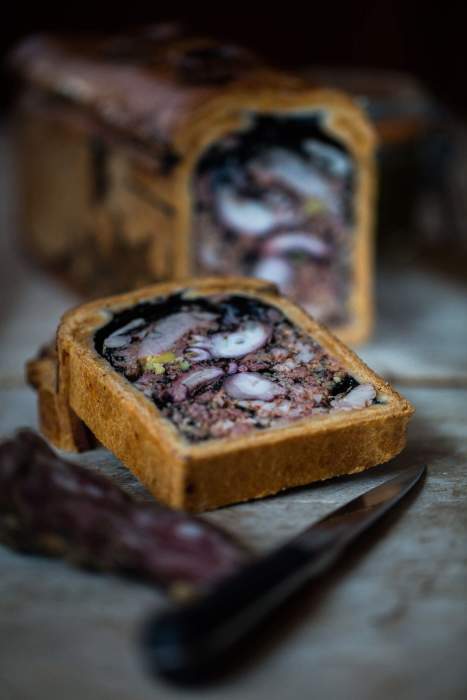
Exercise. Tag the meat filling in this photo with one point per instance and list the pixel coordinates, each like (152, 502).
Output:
(227, 365)
(274, 202)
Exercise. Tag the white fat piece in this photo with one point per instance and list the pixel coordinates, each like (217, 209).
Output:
(360, 397)
(170, 329)
(120, 337)
(201, 376)
(250, 337)
(297, 174)
(246, 216)
(332, 158)
(252, 386)
(298, 242)
(274, 269)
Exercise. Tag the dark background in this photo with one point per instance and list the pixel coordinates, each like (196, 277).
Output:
(429, 42)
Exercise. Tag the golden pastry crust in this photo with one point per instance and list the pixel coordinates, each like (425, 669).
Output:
(154, 122)
(219, 471)
(57, 421)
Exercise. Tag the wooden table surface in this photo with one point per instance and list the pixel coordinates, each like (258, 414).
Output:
(391, 623)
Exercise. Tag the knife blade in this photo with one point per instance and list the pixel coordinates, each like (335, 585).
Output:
(184, 643)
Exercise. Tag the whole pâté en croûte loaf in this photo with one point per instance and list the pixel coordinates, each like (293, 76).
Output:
(216, 391)
(157, 156)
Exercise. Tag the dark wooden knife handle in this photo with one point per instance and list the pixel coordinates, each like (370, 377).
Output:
(190, 640)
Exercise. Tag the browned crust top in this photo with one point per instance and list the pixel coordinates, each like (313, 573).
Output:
(152, 84)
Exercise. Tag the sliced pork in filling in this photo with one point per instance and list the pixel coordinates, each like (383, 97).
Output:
(275, 202)
(227, 365)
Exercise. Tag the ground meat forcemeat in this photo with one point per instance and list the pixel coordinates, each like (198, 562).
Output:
(224, 366)
(275, 202)
(51, 506)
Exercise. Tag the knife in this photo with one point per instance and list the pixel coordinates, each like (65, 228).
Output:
(186, 643)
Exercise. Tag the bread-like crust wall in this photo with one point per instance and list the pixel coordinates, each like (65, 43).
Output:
(60, 425)
(220, 471)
